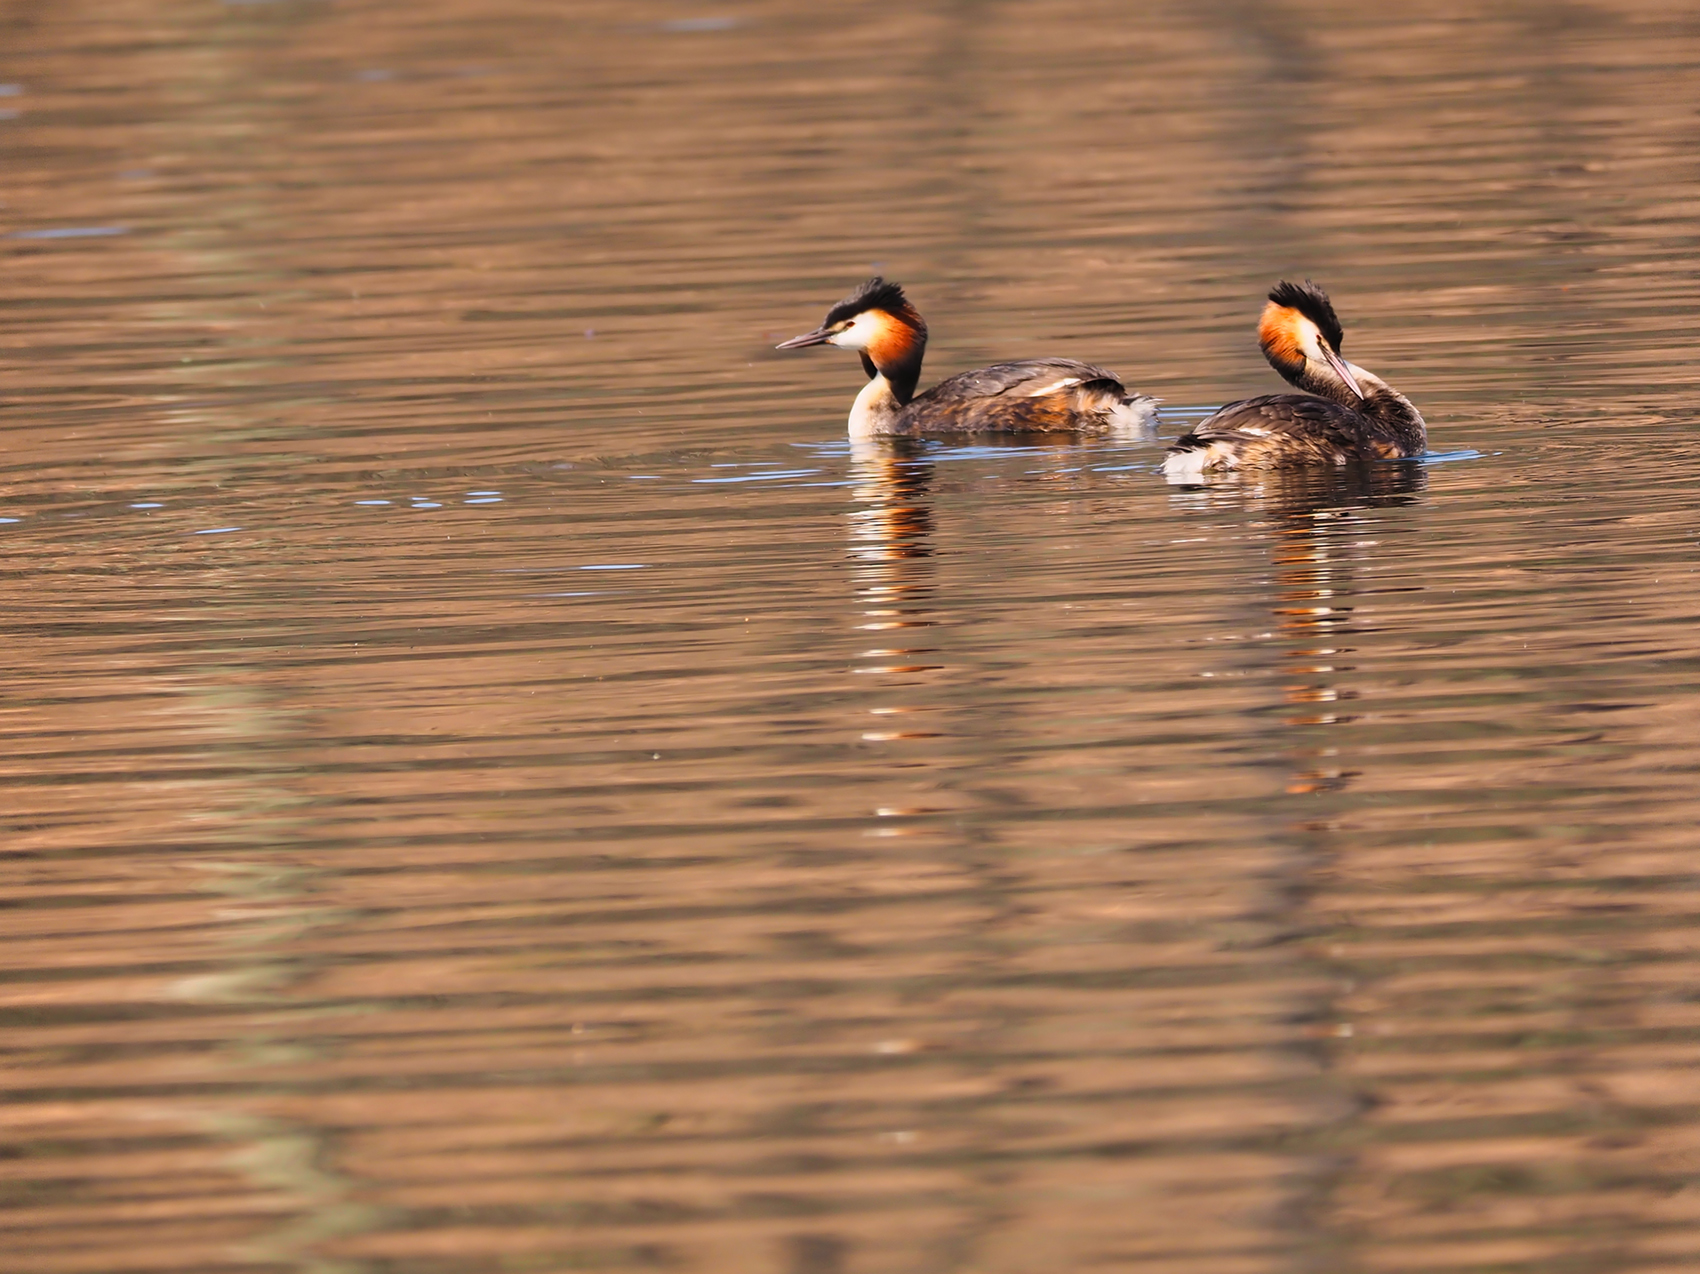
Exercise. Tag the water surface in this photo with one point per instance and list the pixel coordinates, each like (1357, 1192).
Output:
(494, 781)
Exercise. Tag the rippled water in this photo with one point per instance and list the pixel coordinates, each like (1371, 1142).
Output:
(494, 782)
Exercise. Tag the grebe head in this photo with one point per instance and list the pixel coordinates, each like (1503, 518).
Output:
(877, 320)
(1300, 335)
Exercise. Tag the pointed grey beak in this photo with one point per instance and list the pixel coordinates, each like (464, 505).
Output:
(817, 337)
(1334, 361)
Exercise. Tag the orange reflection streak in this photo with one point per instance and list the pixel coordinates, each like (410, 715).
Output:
(890, 553)
(1319, 538)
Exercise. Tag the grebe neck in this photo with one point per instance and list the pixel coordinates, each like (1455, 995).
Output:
(1395, 415)
(1316, 377)
(877, 407)
(890, 388)
(900, 367)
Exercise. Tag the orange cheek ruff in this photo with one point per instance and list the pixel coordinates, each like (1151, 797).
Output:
(897, 336)
(892, 342)
(1278, 333)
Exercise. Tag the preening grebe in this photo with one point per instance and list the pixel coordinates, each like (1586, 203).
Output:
(1041, 395)
(1355, 415)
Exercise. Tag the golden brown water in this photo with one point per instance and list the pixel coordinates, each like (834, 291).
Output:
(492, 782)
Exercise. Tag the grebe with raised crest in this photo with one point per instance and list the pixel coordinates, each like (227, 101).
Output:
(1345, 416)
(1037, 396)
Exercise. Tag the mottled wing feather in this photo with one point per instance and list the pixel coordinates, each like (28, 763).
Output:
(1006, 378)
(1036, 395)
(1276, 431)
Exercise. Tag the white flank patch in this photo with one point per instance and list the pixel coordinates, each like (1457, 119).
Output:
(1184, 466)
(1132, 421)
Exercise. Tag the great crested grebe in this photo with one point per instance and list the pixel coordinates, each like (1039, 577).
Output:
(1040, 395)
(1353, 416)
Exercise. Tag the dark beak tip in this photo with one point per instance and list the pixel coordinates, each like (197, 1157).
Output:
(803, 341)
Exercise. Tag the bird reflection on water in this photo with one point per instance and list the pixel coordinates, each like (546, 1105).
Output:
(1317, 551)
(1321, 526)
(891, 573)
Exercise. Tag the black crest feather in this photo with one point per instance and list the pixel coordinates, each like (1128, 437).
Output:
(875, 294)
(1313, 303)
